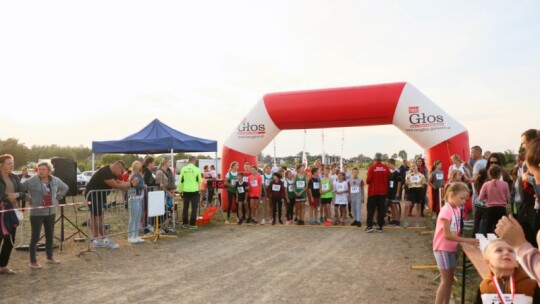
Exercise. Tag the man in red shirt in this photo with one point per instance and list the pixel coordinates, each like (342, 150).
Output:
(377, 180)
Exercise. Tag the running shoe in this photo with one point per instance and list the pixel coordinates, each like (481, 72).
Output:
(193, 227)
(263, 222)
(354, 223)
(240, 222)
(110, 244)
(281, 222)
(132, 240)
(369, 229)
(379, 229)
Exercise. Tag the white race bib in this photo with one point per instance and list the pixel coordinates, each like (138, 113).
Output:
(233, 181)
(316, 185)
(254, 183)
(300, 184)
(325, 187)
(240, 189)
(267, 182)
(291, 189)
(415, 179)
(391, 184)
(439, 176)
(246, 179)
(340, 187)
(355, 189)
(276, 187)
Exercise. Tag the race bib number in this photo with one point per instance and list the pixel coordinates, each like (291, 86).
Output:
(240, 189)
(415, 179)
(340, 187)
(325, 187)
(493, 298)
(300, 184)
(276, 188)
(439, 176)
(355, 189)
(291, 189)
(246, 179)
(391, 184)
(254, 183)
(316, 186)
(233, 181)
(267, 182)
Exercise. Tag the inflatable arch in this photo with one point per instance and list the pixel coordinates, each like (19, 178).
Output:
(400, 104)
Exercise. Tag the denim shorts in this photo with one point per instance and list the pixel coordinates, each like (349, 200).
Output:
(445, 259)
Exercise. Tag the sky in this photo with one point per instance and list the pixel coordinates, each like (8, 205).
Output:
(73, 72)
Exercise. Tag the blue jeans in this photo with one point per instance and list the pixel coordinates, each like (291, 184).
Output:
(135, 211)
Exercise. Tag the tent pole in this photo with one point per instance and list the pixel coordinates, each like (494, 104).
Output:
(174, 174)
(93, 161)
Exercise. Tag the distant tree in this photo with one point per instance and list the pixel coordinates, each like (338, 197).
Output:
(385, 157)
(20, 151)
(402, 154)
(107, 159)
(394, 156)
(417, 156)
(268, 159)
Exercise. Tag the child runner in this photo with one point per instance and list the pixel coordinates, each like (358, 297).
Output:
(300, 188)
(230, 183)
(241, 197)
(392, 196)
(276, 193)
(436, 182)
(247, 173)
(447, 236)
(202, 192)
(255, 190)
(341, 189)
(496, 194)
(327, 194)
(291, 196)
(267, 178)
(415, 182)
(314, 193)
(356, 192)
(506, 278)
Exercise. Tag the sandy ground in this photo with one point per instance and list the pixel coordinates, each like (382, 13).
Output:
(236, 264)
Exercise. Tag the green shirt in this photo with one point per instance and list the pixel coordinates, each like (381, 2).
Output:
(190, 179)
(231, 180)
(300, 184)
(325, 184)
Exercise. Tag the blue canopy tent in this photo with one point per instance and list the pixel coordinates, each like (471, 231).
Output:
(155, 138)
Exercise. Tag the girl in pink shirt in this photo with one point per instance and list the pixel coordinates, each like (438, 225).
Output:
(496, 195)
(447, 236)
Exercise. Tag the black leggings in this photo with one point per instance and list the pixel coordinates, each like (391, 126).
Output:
(7, 245)
(276, 203)
(290, 209)
(493, 215)
(231, 198)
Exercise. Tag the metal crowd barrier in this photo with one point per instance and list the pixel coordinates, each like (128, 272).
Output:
(112, 204)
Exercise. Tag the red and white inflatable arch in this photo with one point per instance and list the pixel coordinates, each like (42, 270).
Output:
(400, 104)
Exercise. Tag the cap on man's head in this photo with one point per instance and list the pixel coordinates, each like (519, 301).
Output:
(378, 156)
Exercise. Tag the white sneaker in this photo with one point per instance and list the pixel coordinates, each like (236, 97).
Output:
(263, 222)
(110, 244)
(98, 243)
(139, 240)
(227, 221)
(132, 240)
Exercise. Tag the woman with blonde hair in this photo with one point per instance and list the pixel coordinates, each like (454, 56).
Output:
(45, 191)
(135, 202)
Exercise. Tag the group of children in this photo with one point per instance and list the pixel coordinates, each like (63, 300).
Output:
(321, 187)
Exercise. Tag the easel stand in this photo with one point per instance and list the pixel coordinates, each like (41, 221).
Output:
(156, 208)
(156, 235)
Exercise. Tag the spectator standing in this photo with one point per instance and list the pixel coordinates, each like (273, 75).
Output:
(377, 180)
(188, 186)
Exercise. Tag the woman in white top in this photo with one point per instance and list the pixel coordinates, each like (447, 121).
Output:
(458, 164)
(415, 182)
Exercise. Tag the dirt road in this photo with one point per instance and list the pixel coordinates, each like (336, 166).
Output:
(236, 264)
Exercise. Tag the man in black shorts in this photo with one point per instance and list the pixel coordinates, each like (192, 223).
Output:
(104, 178)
